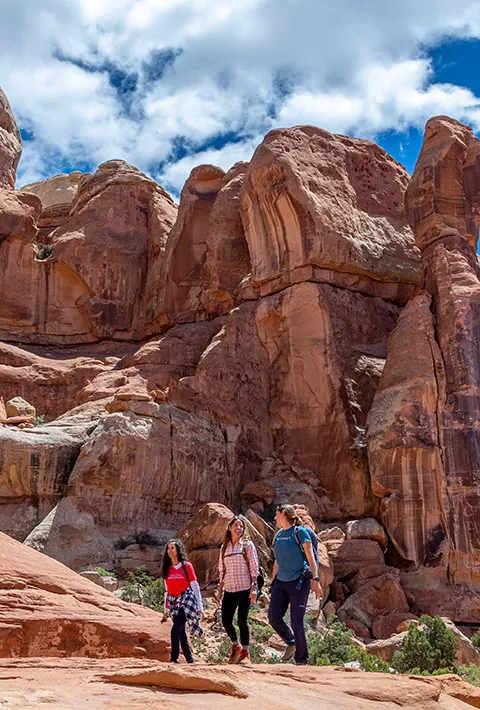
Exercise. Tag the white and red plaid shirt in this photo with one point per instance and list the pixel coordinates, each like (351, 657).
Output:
(234, 573)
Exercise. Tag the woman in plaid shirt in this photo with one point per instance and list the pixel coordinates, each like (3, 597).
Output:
(238, 568)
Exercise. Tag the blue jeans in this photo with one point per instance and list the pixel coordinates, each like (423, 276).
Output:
(282, 594)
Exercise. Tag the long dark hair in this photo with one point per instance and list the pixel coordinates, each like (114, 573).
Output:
(228, 533)
(181, 552)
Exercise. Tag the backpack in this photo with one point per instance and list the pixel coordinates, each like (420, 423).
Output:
(261, 574)
(313, 539)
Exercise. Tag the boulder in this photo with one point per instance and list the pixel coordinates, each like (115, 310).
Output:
(358, 629)
(202, 537)
(71, 536)
(386, 625)
(367, 529)
(352, 555)
(258, 490)
(375, 598)
(48, 610)
(18, 407)
(261, 526)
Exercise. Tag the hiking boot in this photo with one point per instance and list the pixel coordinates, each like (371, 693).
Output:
(234, 653)
(289, 653)
(244, 657)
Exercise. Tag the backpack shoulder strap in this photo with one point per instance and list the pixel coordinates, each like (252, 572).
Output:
(185, 572)
(245, 557)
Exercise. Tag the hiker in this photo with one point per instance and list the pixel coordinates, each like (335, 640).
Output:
(183, 600)
(239, 569)
(294, 567)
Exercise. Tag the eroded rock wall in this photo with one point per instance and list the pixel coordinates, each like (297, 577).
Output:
(426, 461)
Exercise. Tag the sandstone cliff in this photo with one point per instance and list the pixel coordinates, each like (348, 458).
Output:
(183, 354)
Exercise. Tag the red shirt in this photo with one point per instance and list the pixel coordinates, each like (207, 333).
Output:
(176, 581)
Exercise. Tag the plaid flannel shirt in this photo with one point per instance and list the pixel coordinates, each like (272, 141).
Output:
(233, 569)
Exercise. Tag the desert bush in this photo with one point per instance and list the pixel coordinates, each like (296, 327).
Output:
(42, 251)
(476, 639)
(104, 572)
(38, 420)
(333, 646)
(141, 588)
(430, 648)
(470, 673)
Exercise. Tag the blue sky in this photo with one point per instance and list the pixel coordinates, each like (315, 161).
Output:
(169, 84)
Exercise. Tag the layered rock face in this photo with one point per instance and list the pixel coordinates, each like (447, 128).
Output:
(94, 279)
(330, 209)
(423, 425)
(232, 348)
(56, 194)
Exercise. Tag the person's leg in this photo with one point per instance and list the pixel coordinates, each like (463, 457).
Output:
(175, 639)
(229, 606)
(298, 605)
(243, 607)
(182, 635)
(276, 611)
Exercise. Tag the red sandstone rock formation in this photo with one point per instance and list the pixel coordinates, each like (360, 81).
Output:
(123, 684)
(423, 425)
(48, 610)
(267, 298)
(56, 194)
(10, 144)
(328, 208)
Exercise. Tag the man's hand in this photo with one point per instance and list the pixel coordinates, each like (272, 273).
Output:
(218, 593)
(164, 618)
(316, 588)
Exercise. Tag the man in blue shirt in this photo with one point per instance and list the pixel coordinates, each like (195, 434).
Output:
(294, 566)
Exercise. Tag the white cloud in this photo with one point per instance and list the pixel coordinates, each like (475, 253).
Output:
(240, 69)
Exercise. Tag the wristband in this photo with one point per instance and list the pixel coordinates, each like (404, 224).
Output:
(316, 579)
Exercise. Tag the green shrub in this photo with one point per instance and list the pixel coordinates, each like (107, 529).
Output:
(470, 673)
(42, 251)
(476, 639)
(334, 644)
(428, 649)
(334, 647)
(38, 420)
(103, 572)
(260, 632)
(142, 588)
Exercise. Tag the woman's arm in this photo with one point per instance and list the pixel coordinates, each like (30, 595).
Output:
(198, 594)
(308, 549)
(275, 570)
(253, 561)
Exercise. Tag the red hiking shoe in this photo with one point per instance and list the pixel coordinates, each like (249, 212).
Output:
(244, 657)
(234, 653)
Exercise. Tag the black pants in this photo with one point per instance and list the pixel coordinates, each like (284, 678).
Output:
(230, 602)
(282, 594)
(178, 637)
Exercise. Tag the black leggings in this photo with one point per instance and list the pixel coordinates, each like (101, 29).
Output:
(230, 602)
(178, 637)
